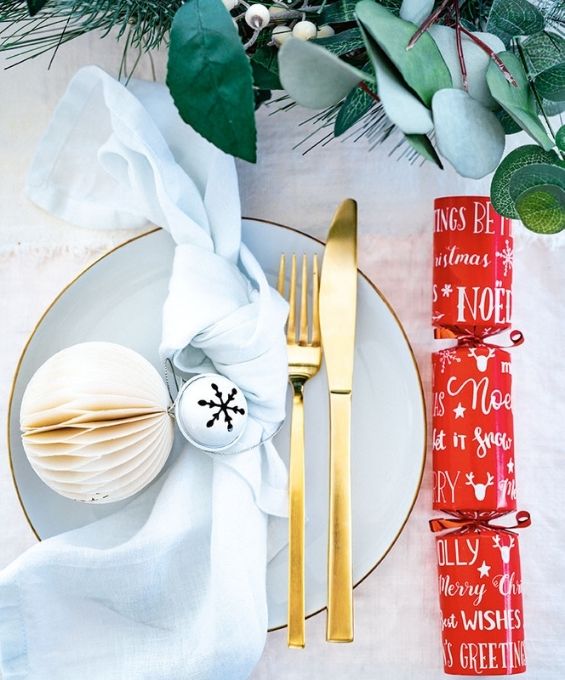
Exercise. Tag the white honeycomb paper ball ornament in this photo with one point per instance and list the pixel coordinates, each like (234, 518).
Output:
(257, 16)
(304, 30)
(325, 31)
(211, 412)
(95, 422)
(281, 34)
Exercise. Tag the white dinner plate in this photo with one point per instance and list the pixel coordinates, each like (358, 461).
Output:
(119, 299)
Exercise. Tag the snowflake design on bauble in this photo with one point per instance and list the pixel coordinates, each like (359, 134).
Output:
(507, 257)
(448, 357)
(447, 290)
(223, 407)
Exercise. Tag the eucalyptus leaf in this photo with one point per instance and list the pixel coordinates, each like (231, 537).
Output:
(314, 77)
(35, 6)
(536, 174)
(542, 209)
(517, 100)
(342, 43)
(422, 66)
(209, 76)
(357, 103)
(403, 108)
(550, 83)
(511, 18)
(560, 138)
(416, 10)
(476, 60)
(468, 135)
(500, 196)
(423, 145)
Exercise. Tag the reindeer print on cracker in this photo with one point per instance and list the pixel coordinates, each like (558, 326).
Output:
(472, 430)
(473, 260)
(480, 592)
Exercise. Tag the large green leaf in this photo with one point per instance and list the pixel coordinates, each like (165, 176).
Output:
(550, 83)
(423, 145)
(357, 103)
(265, 65)
(468, 135)
(314, 77)
(517, 100)
(510, 18)
(340, 12)
(509, 125)
(542, 209)
(422, 66)
(343, 11)
(500, 196)
(34, 6)
(560, 138)
(542, 51)
(342, 43)
(209, 76)
(476, 60)
(536, 174)
(403, 108)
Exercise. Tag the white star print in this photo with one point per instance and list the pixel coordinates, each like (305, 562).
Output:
(483, 569)
(447, 290)
(459, 410)
(510, 466)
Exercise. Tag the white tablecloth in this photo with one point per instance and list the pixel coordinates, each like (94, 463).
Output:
(397, 615)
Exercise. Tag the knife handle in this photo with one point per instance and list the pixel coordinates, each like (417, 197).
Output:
(340, 578)
(296, 596)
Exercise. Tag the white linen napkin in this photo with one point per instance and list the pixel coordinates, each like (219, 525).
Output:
(173, 585)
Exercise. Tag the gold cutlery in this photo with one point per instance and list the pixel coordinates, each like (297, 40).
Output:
(338, 300)
(304, 359)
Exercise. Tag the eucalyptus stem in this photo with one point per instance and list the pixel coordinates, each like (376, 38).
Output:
(434, 16)
(459, 43)
(368, 91)
(492, 54)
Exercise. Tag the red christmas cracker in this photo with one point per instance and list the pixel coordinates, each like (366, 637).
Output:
(473, 441)
(473, 256)
(480, 593)
(472, 429)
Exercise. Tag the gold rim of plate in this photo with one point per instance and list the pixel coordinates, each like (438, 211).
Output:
(253, 219)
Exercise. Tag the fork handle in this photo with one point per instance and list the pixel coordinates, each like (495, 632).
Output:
(339, 626)
(296, 604)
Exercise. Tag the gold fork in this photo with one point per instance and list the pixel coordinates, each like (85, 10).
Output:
(304, 359)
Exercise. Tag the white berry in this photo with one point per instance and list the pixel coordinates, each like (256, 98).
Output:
(304, 30)
(257, 16)
(230, 4)
(325, 31)
(281, 34)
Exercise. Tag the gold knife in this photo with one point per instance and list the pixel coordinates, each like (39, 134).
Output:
(338, 302)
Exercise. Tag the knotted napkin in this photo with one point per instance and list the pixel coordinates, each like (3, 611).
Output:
(172, 586)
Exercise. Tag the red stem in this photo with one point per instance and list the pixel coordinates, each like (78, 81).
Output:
(459, 43)
(368, 90)
(434, 16)
(492, 54)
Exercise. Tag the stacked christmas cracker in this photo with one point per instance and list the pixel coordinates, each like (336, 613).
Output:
(473, 441)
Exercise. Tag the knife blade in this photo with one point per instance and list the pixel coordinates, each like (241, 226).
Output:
(338, 303)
